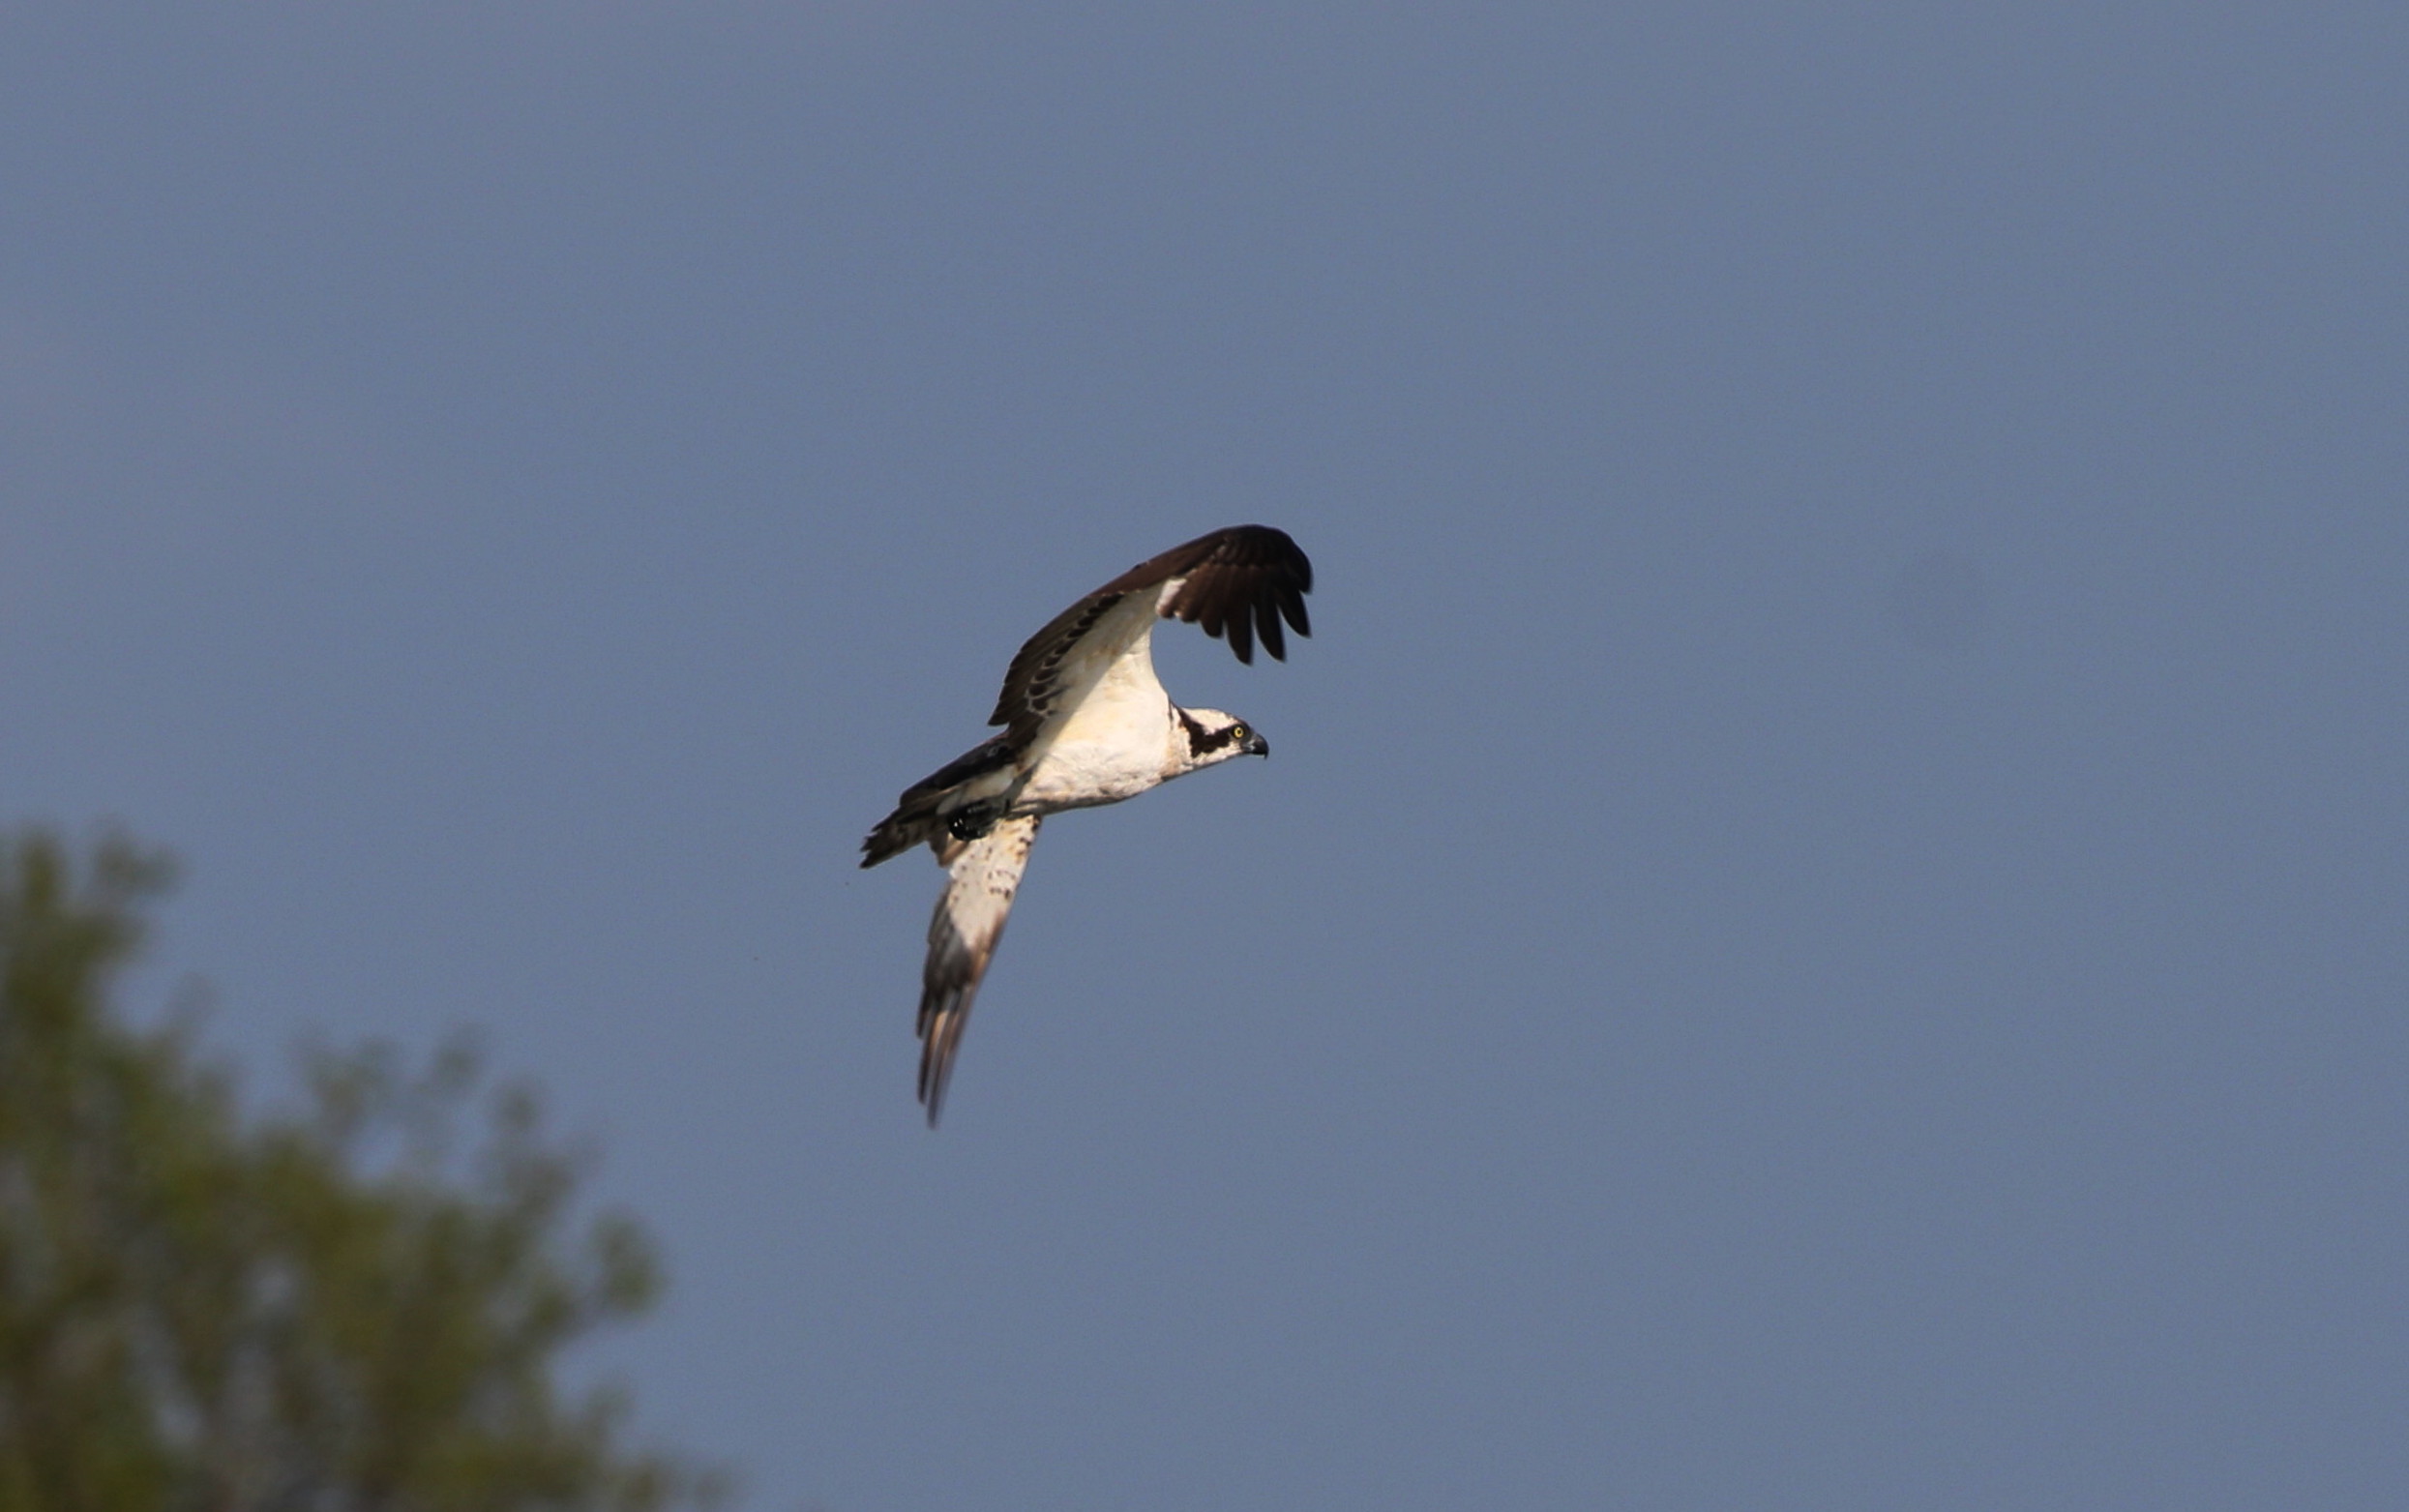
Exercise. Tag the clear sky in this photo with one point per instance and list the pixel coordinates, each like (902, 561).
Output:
(1828, 924)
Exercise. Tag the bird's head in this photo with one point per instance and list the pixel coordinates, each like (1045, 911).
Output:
(1214, 736)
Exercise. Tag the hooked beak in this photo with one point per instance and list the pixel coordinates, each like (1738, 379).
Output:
(1256, 745)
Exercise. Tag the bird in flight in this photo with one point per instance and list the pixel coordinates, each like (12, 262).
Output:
(1084, 723)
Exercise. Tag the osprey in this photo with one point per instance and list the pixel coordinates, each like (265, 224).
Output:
(1085, 723)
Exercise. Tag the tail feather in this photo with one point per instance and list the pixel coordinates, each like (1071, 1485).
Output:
(914, 822)
(922, 813)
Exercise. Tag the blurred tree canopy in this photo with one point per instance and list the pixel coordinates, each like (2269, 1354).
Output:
(355, 1305)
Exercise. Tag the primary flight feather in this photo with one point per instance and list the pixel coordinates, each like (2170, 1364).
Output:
(1085, 723)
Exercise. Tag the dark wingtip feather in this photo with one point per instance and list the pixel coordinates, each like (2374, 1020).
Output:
(1293, 605)
(1242, 635)
(935, 1062)
(1268, 626)
(942, 1018)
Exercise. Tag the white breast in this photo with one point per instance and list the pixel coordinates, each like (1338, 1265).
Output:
(1113, 741)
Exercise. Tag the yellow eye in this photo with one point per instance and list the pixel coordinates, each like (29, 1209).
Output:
(1237, 731)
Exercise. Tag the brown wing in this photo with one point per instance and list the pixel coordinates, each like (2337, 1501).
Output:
(1240, 582)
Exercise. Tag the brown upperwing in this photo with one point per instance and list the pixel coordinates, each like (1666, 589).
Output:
(1240, 580)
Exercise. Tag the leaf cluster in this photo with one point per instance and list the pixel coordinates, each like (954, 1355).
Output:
(358, 1305)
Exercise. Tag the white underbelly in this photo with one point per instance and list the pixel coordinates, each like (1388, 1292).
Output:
(1114, 738)
(1079, 774)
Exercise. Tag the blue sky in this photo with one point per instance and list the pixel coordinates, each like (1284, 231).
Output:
(1827, 926)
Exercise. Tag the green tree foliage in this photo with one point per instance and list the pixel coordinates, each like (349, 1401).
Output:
(358, 1306)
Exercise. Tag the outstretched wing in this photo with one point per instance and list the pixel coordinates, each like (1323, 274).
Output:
(981, 877)
(1239, 581)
